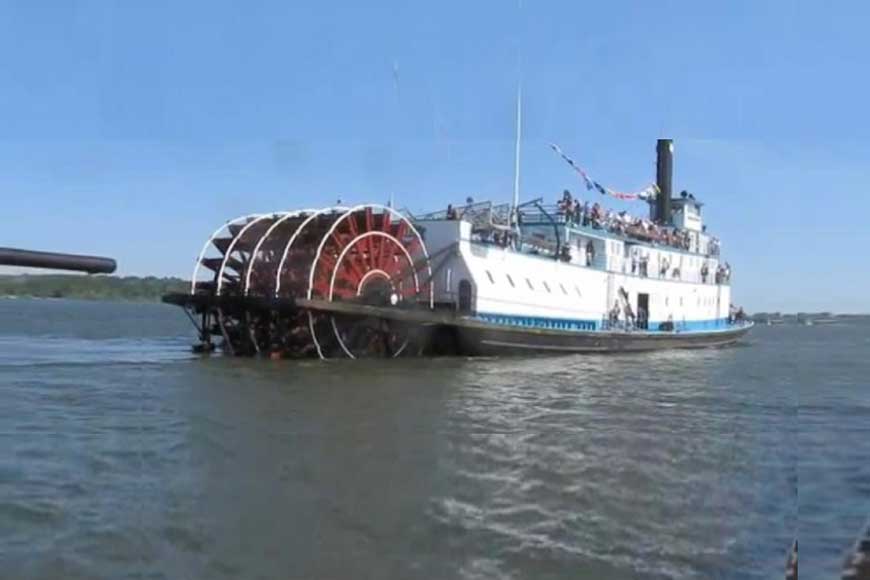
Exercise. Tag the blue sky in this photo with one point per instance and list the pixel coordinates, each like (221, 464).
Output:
(133, 129)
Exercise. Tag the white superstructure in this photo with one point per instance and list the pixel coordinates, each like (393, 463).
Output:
(554, 272)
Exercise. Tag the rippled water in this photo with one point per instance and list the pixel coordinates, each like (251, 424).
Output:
(125, 456)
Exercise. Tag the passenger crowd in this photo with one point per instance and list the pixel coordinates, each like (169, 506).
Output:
(595, 216)
(621, 223)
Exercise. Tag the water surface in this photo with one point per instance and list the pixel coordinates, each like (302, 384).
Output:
(124, 456)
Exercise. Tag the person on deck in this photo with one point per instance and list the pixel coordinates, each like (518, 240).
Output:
(577, 213)
(663, 267)
(596, 216)
(642, 318)
(566, 203)
(613, 317)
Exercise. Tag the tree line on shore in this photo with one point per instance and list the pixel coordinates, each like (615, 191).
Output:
(132, 288)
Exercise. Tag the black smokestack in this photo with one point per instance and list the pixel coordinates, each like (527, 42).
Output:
(664, 175)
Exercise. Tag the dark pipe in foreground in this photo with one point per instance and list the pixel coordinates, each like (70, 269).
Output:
(53, 261)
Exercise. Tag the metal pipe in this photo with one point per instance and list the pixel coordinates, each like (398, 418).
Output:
(54, 261)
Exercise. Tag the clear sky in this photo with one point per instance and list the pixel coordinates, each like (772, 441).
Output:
(133, 129)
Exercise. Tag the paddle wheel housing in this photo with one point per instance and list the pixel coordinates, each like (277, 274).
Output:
(254, 272)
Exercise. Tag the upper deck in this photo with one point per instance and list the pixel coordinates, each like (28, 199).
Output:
(591, 236)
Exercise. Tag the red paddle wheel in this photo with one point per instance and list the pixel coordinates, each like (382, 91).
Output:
(370, 255)
(253, 270)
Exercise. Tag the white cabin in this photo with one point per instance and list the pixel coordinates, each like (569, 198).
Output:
(526, 283)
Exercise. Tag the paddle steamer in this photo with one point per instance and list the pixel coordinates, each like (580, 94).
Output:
(481, 279)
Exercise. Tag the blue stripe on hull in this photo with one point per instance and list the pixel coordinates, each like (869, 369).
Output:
(696, 325)
(570, 324)
(538, 322)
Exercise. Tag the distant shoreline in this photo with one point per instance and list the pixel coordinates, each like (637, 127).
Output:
(151, 288)
(805, 317)
(108, 288)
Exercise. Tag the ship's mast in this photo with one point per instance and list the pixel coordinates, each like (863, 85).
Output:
(516, 202)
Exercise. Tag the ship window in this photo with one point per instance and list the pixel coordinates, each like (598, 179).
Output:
(489, 275)
(510, 280)
(546, 286)
(529, 282)
(565, 292)
(667, 300)
(681, 300)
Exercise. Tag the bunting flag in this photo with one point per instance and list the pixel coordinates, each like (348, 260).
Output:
(648, 193)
